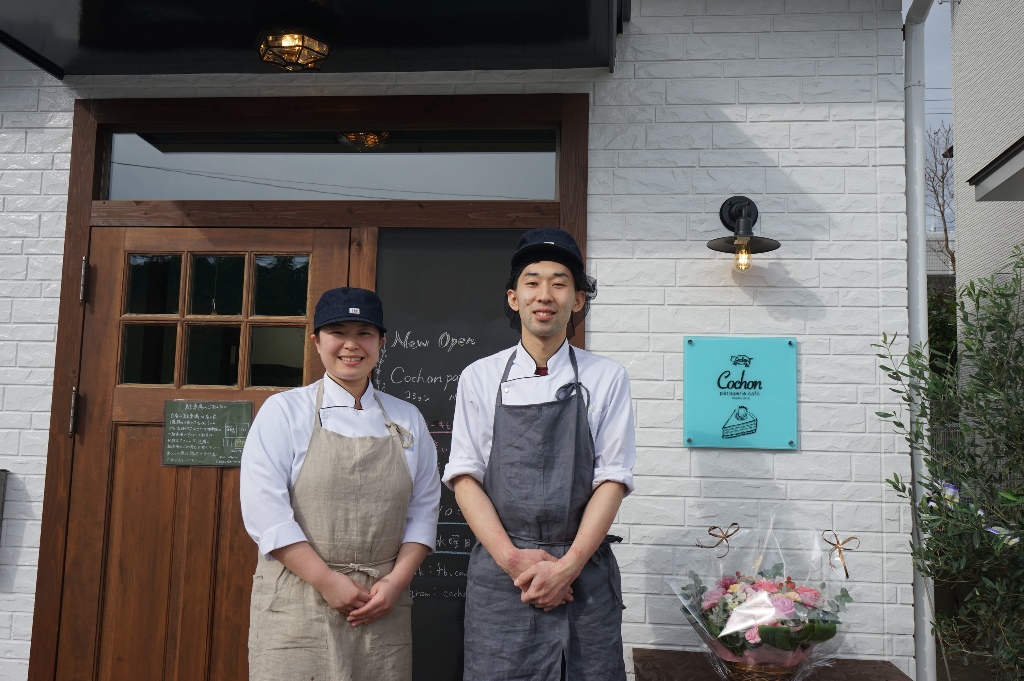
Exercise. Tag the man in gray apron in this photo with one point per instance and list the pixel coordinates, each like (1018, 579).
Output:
(542, 454)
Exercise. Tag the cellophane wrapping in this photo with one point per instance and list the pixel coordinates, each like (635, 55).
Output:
(766, 603)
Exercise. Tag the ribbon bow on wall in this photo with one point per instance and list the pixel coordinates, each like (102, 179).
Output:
(722, 535)
(838, 547)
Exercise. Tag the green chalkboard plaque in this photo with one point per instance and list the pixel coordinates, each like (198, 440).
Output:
(205, 433)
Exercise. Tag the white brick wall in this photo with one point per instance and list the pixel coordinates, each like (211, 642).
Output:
(35, 139)
(795, 103)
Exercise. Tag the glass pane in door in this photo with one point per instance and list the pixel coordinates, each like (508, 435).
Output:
(276, 356)
(148, 355)
(281, 282)
(153, 284)
(217, 284)
(212, 355)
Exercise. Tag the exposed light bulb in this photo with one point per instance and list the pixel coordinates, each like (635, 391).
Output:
(742, 259)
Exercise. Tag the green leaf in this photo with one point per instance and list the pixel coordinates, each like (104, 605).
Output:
(777, 637)
(814, 632)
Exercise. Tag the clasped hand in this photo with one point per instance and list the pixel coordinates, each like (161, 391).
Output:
(361, 606)
(543, 579)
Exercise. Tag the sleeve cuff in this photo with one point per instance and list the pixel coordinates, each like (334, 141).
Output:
(421, 533)
(280, 535)
(622, 475)
(456, 468)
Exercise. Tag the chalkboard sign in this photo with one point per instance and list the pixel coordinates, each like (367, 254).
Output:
(443, 293)
(205, 433)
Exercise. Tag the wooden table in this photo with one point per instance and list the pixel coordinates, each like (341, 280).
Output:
(678, 665)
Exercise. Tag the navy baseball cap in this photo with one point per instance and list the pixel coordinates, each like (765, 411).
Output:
(548, 241)
(349, 305)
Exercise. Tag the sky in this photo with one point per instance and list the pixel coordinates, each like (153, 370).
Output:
(938, 64)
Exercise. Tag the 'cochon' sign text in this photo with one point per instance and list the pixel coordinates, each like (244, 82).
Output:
(740, 393)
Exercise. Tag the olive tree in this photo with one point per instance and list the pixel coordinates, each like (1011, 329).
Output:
(969, 503)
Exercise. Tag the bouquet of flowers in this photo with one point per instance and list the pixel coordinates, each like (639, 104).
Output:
(758, 622)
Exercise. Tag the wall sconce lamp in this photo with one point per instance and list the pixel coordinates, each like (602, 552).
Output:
(294, 51)
(739, 215)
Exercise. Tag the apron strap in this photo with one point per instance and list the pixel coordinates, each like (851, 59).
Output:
(366, 568)
(608, 539)
(563, 393)
(569, 389)
(504, 377)
(317, 423)
(403, 434)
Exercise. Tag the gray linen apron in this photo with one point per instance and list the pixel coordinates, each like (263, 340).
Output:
(540, 477)
(351, 499)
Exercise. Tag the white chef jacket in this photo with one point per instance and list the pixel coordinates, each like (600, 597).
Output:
(610, 414)
(276, 447)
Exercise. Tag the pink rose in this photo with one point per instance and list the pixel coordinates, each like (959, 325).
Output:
(753, 636)
(765, 585)
(711, 598)
(808, 596)
(784, 609)
(726, 582)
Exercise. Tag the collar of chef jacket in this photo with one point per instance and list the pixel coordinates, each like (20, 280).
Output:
(336, 396)
(525, 363)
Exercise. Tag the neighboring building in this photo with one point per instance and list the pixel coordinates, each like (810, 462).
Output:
(797, 104)
(940, 270)
(988, 98)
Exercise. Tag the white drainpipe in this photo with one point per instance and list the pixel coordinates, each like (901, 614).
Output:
(917, 291)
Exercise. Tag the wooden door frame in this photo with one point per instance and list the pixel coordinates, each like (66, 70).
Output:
(96, 120)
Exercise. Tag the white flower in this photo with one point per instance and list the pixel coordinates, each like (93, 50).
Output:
(1003, 532)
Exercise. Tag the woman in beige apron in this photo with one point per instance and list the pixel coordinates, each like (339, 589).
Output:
(330, 598)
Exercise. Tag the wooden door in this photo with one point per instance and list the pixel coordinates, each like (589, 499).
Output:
(158, 565)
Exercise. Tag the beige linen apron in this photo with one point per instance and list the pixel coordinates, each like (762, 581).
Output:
(351, 498)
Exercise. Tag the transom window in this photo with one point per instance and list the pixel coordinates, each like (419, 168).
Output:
(423, 165)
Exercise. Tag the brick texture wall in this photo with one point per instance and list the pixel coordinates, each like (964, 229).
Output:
(795, 103)
(35, 141)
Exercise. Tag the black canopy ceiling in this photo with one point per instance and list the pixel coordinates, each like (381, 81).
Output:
(80, 37)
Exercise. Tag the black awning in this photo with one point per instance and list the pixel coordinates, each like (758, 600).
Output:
(85, 37)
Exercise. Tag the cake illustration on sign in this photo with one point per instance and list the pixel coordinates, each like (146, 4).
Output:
(741, 422)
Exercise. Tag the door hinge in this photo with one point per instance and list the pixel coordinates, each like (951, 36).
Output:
(82, 280)
(73, 418)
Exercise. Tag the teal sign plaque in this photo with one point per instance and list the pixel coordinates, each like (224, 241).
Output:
(739, 392)
(205, 433)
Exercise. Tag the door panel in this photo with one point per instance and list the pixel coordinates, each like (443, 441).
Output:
(158, 566)
(230, 617)
(134, 614)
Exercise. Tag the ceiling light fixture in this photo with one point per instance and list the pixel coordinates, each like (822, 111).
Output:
(294, 51)
(364, 141)
(739, 214)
